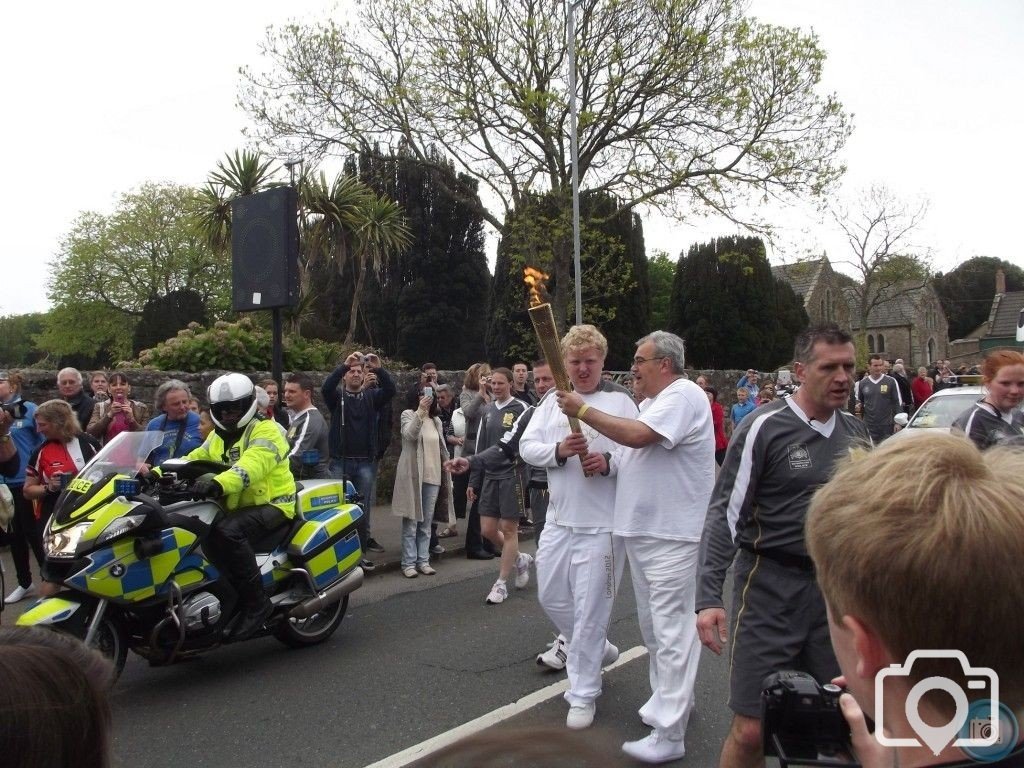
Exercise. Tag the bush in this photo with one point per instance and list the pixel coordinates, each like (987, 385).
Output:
(241, 346)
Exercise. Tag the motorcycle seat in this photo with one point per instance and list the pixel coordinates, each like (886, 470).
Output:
(278, 536)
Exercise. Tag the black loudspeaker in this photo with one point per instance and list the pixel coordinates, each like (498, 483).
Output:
(265, 250)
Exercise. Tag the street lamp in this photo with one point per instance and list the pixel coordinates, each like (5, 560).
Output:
(574, 152)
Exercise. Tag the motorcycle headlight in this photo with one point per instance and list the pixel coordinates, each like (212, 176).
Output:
(119, 527)
(62, 544)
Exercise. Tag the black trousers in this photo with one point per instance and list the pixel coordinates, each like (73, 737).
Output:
(459, 485)
(229, 545)
(26, 533)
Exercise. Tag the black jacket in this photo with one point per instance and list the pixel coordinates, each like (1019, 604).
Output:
(375, 398)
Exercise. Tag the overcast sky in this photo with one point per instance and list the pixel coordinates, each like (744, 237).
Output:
(101, 97)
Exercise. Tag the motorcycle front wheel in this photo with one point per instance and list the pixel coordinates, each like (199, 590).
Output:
(299, 633)
(110, 640)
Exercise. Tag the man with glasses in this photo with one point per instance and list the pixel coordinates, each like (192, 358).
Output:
(662, 491)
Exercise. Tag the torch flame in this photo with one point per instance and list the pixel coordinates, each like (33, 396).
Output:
(535, 279)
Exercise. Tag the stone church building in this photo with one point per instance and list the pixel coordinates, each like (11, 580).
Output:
(911, 326)
(821, 288)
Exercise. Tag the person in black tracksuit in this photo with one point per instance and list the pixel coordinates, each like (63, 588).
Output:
(996, 419)
(778, 456)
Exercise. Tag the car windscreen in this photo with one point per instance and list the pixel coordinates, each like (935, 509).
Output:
(942, 411)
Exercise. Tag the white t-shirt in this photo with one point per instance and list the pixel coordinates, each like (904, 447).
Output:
(663, 489)
(578, 502)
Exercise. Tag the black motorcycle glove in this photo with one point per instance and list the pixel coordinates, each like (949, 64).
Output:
(207, 488)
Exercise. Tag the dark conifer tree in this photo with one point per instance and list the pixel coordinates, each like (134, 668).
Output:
(966, 292)
(730, 309)
(430, 302)
(616, 294)
(163, 316)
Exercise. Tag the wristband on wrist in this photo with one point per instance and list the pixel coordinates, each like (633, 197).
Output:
(583, 409)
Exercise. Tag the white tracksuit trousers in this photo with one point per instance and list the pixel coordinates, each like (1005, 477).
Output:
(577, 577)
(664, 575)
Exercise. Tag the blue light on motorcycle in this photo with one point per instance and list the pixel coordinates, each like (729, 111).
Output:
(126, 488)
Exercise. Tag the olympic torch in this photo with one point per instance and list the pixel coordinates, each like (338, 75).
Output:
(543, 320)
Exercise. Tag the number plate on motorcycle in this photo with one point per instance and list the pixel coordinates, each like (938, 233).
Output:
(80, 486)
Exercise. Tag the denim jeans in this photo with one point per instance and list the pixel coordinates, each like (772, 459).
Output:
(363, 475)
(416, 535)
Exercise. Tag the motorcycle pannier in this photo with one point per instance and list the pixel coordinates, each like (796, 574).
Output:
(327, 543)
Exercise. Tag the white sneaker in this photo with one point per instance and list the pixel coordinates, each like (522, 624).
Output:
(580, 716)
(498, 593)
(523, 563)
(554, 657)
(19, 593)
(657, 747)
(611, 654)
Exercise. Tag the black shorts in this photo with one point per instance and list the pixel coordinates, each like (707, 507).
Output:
(778, 622)
(503, 499)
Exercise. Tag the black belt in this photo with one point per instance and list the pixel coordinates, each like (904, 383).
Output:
(785, 559)
(542, 484)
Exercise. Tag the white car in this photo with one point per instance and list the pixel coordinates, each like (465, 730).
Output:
(939, 411)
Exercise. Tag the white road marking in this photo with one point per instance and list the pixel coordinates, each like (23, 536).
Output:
(442, 740)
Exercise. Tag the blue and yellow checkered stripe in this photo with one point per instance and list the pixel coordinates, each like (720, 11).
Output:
(331, 564)
(320, 528)
(141, 579)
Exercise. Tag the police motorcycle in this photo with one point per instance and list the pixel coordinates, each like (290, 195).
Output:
(128, 552)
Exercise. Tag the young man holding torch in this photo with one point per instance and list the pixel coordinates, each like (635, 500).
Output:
(579, 561)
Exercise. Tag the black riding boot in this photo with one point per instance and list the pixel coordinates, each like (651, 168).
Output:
(256, 608)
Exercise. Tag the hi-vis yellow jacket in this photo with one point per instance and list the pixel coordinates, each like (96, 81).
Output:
(259, 472)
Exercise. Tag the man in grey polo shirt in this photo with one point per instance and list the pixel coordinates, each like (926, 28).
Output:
(777, 459)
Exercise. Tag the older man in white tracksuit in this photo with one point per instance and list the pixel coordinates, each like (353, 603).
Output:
(663, 488)
(579, 561)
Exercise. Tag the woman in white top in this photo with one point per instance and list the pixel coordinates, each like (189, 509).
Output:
(421, 482)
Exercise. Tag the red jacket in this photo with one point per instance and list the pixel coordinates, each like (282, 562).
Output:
(718, 420)
(922, 389)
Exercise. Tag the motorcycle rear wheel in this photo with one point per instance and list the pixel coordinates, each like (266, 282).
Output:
(299, 633)
(110, 641)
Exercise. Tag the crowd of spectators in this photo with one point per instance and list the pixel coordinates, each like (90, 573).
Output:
(775, 448)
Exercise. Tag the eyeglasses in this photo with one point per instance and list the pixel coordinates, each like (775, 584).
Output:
(638, 361)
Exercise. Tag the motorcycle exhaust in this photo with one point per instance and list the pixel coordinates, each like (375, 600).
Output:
(351, 582)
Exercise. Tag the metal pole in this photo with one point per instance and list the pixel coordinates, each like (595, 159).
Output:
(570, 16)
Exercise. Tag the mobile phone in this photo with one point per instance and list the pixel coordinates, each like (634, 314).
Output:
(119, 399)
(428, 391)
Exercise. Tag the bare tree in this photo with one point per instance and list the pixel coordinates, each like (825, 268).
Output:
(879, 228)
(685, 105)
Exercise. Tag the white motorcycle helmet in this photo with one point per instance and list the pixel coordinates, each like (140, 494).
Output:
(230, 394)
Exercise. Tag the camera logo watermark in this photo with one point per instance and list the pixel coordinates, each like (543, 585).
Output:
(980, 726)
(974, 726)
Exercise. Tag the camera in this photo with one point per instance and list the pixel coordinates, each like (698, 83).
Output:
(18, 410)
(801, 722)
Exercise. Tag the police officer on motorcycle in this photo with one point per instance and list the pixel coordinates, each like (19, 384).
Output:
(258, 491)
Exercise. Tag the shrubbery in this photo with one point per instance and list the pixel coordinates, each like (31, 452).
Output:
(241, 346)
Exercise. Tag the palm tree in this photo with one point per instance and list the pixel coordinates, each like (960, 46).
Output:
(240, 173)
(338, 220)
(381, 232)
